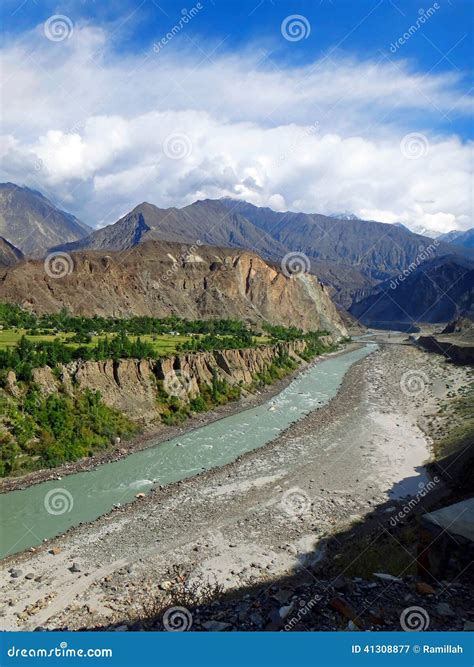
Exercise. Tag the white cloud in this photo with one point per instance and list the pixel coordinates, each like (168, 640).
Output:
(88, 127)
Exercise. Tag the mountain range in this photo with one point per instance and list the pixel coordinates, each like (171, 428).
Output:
(160, 279)
(353, 258)
(349, 255)
(464, 239)
(437, 291)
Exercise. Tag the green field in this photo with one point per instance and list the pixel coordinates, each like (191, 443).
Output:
(163, 344)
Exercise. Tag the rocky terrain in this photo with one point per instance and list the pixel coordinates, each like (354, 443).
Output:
(437, 291)
(9, 254)
(270, 541)
(349, 255)
(130, 385)
(162, 279)
(33, 223)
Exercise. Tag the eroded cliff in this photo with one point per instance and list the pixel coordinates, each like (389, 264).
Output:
(133, 386)
(162, 279)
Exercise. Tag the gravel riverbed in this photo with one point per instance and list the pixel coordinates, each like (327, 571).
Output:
(251, 523)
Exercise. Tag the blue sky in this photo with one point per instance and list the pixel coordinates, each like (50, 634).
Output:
(351, 99)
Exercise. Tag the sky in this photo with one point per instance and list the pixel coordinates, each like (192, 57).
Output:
(327, 106)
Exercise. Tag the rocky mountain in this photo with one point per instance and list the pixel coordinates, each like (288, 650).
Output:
(349, 255)
(208, 222)
(9, 254)
(437, 291)
(33, 223)
(457, 238)
(161, 279)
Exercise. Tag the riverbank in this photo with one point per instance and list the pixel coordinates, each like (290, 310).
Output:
(237, 526)
(159, 432)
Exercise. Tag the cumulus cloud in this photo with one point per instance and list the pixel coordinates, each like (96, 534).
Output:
(103, 132)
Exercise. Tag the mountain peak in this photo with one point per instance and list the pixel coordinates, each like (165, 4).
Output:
(33, 223)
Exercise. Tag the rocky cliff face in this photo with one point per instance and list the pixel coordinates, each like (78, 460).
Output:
(131, 385)
(161, 279)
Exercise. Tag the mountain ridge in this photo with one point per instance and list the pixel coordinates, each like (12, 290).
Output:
(33, 223)
(163, 278)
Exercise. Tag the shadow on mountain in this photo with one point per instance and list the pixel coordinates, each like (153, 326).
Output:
(386, 572)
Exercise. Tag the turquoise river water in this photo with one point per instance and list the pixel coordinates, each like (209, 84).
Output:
(48, 509)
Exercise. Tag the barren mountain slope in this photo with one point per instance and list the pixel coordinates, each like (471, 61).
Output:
(161, 279)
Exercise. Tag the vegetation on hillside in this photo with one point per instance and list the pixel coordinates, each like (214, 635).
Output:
(43, 432)
(38, 431)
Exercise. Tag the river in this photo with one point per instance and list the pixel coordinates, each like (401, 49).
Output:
(50, 508)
